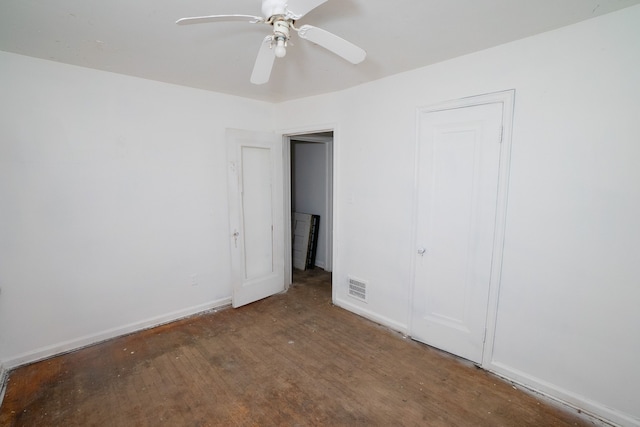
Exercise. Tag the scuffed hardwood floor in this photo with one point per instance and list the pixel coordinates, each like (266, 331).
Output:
(290, 360)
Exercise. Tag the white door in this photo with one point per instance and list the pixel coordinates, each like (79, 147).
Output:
(459, 162)
(256, 215)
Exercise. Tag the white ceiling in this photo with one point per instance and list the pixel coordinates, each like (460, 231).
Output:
(139, 38)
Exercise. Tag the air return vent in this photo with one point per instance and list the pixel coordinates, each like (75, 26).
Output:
(357, 288)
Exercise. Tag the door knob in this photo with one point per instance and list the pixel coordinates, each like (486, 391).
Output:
(422, 251)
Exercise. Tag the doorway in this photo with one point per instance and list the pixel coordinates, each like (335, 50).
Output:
(311, 172)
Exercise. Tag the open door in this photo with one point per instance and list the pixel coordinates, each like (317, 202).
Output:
(256, 215)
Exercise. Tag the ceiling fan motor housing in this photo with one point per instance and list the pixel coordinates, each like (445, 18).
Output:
(273, 7)
(281, 28)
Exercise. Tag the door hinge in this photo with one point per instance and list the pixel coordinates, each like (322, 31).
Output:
(484, 337)
(501, 134)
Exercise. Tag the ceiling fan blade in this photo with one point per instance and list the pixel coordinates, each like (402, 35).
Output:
(335, 44)
(218, 18)
(264, 62)
(296, 9)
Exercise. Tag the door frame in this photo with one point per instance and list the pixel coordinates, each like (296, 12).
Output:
(305, 133)
(507, 98)
(327, 220)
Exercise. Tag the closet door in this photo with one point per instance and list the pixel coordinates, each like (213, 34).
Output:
(459, 163)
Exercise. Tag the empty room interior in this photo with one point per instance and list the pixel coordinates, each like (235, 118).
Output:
(464, 176)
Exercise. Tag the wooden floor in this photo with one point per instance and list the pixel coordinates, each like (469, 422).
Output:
(292, 359)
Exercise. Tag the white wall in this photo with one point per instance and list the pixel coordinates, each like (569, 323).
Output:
(309, 178)
(114, 195)
(568, 317)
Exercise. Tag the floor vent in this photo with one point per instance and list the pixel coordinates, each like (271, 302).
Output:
(357, 289)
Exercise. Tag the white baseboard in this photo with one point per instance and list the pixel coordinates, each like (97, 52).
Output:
(596, 412)
(581, 404)
(85, 341)
(392, 324)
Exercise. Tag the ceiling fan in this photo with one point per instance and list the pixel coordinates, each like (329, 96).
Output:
(281, 15)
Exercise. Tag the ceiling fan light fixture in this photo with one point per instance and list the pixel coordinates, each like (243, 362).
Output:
(280, 50)
(281, 36)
